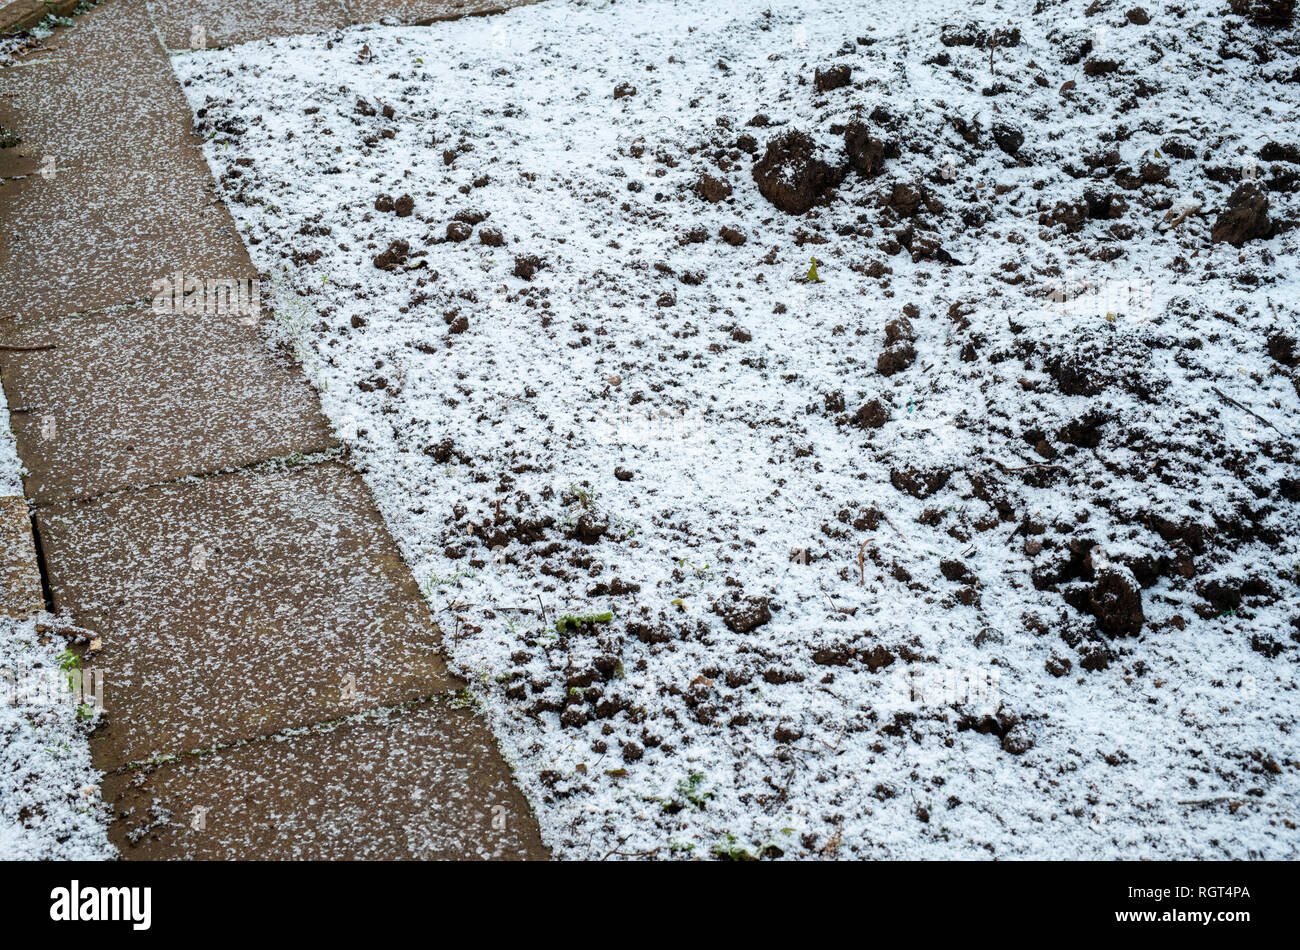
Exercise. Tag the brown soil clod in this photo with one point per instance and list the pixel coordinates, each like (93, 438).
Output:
(832, 77)
(1245, 218)
(791, 175)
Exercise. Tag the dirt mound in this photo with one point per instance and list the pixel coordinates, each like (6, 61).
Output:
(832, 77)
(394, 256)
(792, 176)
(712, 189)
(742, 614)
(1265, 12)
(1245, 218)
(866, 152)
(1116, 602)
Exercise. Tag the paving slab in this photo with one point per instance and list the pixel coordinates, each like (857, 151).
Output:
(19, 15)
(427, 11)
(99, 235)
(20, 578)
(200, 24)
(426, 783)
(130, 397)
(117, 192)
(238, 605)
(99, 91)
(19, 161)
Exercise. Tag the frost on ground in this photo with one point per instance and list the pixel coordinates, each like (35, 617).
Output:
(902, 397)
(50, 807)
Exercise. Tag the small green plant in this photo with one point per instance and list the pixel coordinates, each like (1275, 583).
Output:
(583, 497)
(465, 699)
(727, 849)
(685, 562)
(577, 620)
(435, 583)
(70, 664)
(690, 791)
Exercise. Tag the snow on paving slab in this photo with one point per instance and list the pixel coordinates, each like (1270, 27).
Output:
(981, 544)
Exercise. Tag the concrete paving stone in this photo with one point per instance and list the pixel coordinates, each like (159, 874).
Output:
(102, 90)
(427, 11)
(118, 192)
(20, 578)
(14, 15)
(18, 161)
(238, 605)
(199, 24)
(130, 397)
(99, 235)
(426, 783)
(19, 15)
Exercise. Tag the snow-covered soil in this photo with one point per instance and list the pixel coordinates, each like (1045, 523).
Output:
(49, 794)
(982, 544)
(50, 807)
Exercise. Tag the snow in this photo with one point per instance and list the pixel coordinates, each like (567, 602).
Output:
(50, 807)
(11, 469)
(724, 383)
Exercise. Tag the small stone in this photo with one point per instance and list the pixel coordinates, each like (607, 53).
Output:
(1018, 740)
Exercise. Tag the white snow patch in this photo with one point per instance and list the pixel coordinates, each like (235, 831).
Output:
(489, 443)
(50, 806)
